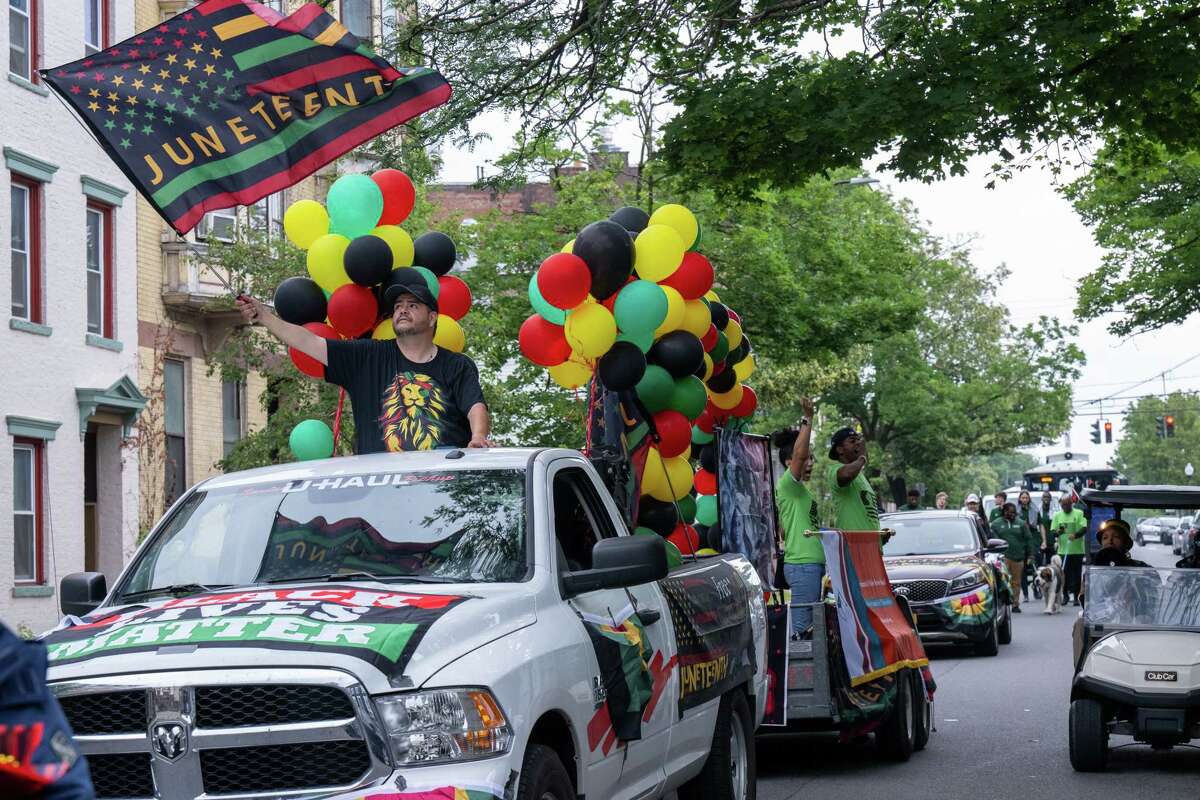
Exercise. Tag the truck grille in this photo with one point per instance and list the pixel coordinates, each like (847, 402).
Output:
(238, 706)
(283, 767)
(922, 591)
(106, 712)
(121, 775)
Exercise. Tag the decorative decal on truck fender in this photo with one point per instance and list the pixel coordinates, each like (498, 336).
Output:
(380, 627)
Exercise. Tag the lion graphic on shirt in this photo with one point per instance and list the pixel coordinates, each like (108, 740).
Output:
(411, 413)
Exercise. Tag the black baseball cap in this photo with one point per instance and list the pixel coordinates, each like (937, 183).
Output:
(409, 284)
(837, 438)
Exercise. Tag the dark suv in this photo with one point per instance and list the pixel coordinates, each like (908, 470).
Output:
(953, 576)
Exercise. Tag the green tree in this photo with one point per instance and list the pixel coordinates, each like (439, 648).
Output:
(1145, 458)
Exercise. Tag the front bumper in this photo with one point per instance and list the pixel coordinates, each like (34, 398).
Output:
(964, 617)
(473, 780)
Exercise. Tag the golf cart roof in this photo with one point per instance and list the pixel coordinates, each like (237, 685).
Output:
(1144, 496)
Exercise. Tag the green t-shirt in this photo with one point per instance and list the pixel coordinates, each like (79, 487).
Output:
(1071, 523)
(854, 506)
(797, 514)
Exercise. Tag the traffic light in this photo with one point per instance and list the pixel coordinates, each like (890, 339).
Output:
(1107, 432)
(1160, 427)
(1096, 432)
(1169, 425)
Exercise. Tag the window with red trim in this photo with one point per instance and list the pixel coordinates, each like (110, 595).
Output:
(23, 39)
(25, 248)
(29, 498)
(99, 265)
(97, 16)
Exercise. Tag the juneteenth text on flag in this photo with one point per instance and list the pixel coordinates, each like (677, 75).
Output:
(230, 101)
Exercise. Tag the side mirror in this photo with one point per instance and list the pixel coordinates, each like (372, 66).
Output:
(618, 563)
(996, 545)
(82, 592)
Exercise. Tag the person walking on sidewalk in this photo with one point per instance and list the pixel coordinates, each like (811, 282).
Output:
(1070, 526)
(803, 556)
(1013, 530)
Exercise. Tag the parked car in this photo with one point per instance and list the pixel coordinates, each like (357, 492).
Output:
(1181, 536)
(1166, 529)
(1146, 528)
(952, 576)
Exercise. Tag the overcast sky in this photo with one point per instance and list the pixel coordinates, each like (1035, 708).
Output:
(1025, 224)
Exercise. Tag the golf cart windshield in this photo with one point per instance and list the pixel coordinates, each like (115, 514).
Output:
(1143, 597)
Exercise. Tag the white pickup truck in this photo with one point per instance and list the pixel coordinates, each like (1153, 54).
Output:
(459, 624)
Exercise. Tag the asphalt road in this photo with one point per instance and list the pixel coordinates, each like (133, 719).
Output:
(1001, 733)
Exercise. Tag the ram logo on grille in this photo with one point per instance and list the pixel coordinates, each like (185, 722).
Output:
(169, 740)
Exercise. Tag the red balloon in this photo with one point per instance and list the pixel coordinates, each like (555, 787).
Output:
(352, 310)
(706, 482)
(564, 280)
(398, 195)
(305, 363)
(693, 278)
(710, 339)
(454, 297)
(674, 433)
(542, 342)
(733, 315)
(747, 404)
(719, 416)
(686, 538)
(705, 421)
(719, 367)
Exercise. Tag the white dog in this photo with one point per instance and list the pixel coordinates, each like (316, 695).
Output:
(1050, 579)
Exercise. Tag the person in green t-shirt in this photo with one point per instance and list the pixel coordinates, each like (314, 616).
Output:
(854, 506)
(803, 556)
(1069, 525)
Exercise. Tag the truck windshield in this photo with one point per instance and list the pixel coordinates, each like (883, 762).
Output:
(433, 526)
(923, 537)
(1136, 596)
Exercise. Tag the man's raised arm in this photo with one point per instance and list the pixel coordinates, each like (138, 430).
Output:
(291, 335)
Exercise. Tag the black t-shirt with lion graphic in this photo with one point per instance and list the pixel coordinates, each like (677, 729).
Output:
(400, 404)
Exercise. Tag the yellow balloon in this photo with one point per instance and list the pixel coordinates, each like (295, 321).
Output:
(730, 399)
(675, 311)
(697, 319)
(667, 479)
(304, 222)
(400, 242)
(744, 368)
(708, 367)
(569, 247)
(679, 219)
(707, 551)
(449, 335)
(591, 330)
(733, 333)
(384, 331)
(572, 373)
(712, 296)
(325, 261)
(657, 253)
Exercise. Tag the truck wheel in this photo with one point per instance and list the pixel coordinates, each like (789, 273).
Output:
(543, 776)
(1088, 736)
(1004, 634)
(730, 773)
(924, 712)
(896, 736)
(991, 645)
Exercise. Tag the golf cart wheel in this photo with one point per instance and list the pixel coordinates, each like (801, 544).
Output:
(924, 712)
(990, 646)
(1088, 736)
(1004, 632)
(896, 737)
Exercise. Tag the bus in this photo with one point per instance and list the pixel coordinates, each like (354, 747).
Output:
(1066, 471)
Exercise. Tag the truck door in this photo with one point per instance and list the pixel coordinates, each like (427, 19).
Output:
(616, 767)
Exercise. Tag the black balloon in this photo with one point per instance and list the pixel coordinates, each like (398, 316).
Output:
(300, 301)
(631, 219)
(737, 354)
(608, 252)
(746, 341)
(695, 452)
(723, 381)
(435, 251)
(679, 353)
(658, 516)
(368, 260)
(708, 458)
(622, 366)
(712, 537)
(720, 314)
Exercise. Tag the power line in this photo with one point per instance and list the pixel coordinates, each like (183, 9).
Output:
(1160, 395)
(1155, 376)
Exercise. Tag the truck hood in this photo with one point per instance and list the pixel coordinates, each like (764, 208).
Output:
(939, 567)
(389, 635)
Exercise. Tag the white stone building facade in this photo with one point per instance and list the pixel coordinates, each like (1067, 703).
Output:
(68, 348)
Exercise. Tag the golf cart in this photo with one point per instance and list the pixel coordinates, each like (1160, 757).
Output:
(1137, 642)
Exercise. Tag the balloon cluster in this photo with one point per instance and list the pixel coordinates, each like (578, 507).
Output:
(630, 302)
(356, 250)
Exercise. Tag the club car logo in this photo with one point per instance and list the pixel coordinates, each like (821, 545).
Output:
(1162, 675)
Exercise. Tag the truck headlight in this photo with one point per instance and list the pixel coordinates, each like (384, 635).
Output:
(968, 580)
(443, 725)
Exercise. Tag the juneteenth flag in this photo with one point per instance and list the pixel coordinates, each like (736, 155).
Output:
(229, 102)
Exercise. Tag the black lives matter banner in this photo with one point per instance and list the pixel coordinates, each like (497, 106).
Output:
(710, 612)
(382, 628)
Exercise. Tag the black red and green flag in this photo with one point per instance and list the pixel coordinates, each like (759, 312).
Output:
(230, 101)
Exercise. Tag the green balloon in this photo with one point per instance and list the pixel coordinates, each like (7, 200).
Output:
(643, 341)
(687, 509)
(706, 509)
(544, 310)
(311, 439)
(720, 349)
(355, 203)
(699, 436)
(688, 396)
(674, 557)
(655, 389)
(430, 280)
(699, 236)
(641, 307)
(644, 532)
